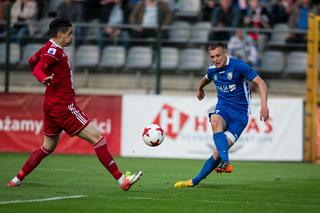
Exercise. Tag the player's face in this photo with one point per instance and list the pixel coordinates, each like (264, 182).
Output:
(67, 37)
(218, 57)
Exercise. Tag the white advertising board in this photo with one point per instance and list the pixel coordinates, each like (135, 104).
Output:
(189, 134)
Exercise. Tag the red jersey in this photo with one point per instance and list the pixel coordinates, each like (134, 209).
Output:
(48, 60)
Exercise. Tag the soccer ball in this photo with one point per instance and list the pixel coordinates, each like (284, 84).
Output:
(153, 135)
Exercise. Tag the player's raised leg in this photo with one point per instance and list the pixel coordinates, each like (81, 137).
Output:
(48, 146)
(93, 136)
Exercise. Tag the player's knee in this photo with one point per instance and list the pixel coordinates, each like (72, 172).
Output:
(49, 147)
(216, 125)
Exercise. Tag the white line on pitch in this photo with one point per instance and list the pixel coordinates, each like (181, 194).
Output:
(41, 200)
(214, 201)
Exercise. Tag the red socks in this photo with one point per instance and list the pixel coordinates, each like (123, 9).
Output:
(32, 162)
(100, 148)
(106, 159)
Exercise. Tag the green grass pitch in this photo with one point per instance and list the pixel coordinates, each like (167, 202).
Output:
(252, 187)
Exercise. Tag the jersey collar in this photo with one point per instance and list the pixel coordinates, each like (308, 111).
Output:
(52, 41)
(228, 60)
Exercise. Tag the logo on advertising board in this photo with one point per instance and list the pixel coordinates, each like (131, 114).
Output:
(171, 120)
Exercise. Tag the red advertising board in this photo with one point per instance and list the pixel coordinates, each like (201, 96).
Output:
(21, 124)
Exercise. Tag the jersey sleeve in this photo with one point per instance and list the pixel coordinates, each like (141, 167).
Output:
(247, 71)
(208, 75)
(48, 58)
(34, 59)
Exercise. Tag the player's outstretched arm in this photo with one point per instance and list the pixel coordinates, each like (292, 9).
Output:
(203, 82)
(264, 112)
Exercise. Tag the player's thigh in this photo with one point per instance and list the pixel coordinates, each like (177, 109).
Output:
(219, 119)
(90, 133)
(70, 118)
(50, 143)
(234, 130)
(50, 127)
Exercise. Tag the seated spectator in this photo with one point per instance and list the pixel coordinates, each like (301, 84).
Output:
(3, 8)
(257, 17)
(243, 47)
(91, 9)
(148, 16)
(279, 12)
(298, 20)
(73, 10)
(114, 14)
(224, 16)
(207, 9)
(23, 16)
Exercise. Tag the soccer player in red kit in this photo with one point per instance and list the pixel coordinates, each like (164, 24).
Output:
(51, 67)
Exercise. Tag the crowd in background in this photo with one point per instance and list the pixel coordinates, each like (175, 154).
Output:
(146, 16)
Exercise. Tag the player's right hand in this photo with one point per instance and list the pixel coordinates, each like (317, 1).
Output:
(47, 81)
(200, 94)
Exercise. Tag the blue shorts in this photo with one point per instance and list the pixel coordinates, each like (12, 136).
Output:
(235, 121)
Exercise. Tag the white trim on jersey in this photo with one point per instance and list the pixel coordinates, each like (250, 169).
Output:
(51, 56)
(78, 115)
(55, 44)
(247, 95)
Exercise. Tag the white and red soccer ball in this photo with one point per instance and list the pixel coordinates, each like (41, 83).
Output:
(153, 135)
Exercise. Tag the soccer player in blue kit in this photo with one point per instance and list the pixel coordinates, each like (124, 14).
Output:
(230, 115)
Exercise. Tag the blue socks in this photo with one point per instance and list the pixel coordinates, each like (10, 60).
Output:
(207, 168)
(222, 145)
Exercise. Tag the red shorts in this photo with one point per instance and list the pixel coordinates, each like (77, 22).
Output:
(68, 118)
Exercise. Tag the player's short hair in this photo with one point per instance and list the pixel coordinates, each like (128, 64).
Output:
(215, 45)
(59, 25)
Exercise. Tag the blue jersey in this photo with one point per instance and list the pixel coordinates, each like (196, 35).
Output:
(232, 85)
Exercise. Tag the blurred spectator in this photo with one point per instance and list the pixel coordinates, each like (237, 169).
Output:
(148, 15)
(207, 9)
(43, 6)
(279, 12)
(71, 9)
(91, 9)
(256, 17)
(23, 16)
(224, 16)
(299, 20)
(3, 9)
(114, 14)
(132, 4)
(242, 46)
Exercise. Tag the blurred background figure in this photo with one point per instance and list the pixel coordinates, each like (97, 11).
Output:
(114, 13)
(224, 15)
(298, 20)
(242, 46)
(3, 9)
(148, 15)
(207, 9)
(73, 10)
(23, 16)
(256, 17)
(279, 12)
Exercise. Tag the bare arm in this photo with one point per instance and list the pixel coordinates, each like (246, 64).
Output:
(264, 111)
(203, 82)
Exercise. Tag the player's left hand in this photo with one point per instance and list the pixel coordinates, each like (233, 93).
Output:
(264, 113)
(47, 81)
